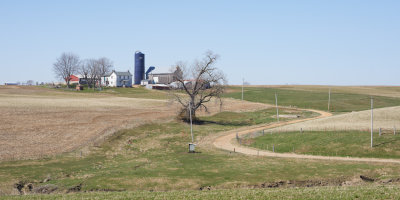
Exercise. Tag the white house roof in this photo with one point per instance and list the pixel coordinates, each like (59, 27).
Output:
(78, 75)
(120, 73)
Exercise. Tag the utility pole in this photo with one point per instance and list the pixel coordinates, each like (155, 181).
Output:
(276, 103)
(242, 87)
(329, 99)
(372, 120)
(191, 124)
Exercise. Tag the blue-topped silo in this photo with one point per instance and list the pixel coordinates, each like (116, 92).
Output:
(139, 67)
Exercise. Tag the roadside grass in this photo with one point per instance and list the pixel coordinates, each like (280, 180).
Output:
(155, 157)
(314, 99)
(354, 192)
(331, 143)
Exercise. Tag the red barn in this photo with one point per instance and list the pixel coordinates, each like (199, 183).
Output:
(76, 79)
(73, 79)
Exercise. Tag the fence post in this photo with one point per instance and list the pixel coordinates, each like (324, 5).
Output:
(301, 130)
(273, 147)
(263, 132)
(237, 136)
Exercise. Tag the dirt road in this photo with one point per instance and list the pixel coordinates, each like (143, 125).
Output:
(226, 142)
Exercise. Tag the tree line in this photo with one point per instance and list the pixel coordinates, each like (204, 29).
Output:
(91, 70)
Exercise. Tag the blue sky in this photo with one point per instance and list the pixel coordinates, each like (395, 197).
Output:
(266, 42)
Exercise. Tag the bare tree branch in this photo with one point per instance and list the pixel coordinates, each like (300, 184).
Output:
(105, 66)
(200, 83)
(65, 66)
(93, 72)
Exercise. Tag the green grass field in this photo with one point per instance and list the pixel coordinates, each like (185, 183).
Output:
(314, 99)
(359, 192)
(154, 157)
(331, 143)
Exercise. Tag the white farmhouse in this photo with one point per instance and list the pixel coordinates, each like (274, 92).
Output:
(117, 79)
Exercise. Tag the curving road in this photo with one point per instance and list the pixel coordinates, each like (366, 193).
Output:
(226, 142)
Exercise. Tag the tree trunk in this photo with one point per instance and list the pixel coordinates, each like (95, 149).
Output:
(185, 114)
(192, 111)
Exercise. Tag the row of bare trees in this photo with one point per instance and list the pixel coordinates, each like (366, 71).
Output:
(90, 69)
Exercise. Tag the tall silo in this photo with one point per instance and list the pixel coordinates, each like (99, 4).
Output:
(139, 67)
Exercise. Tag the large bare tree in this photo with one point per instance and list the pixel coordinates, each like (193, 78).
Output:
(105, 66)
(65, 66)
(93, 70)
(84, 70)
(200, 83)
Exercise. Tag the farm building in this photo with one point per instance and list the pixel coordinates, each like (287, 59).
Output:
(165, 78)
(77, 79)
(162, 78)
(117, 79)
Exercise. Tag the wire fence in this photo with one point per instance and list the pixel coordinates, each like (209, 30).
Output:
(248, 139)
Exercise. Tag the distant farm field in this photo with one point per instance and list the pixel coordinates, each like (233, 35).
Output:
(386, 91)
(342, 99)
(135, 92)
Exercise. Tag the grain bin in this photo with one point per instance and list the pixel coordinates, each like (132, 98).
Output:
(139, 67)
